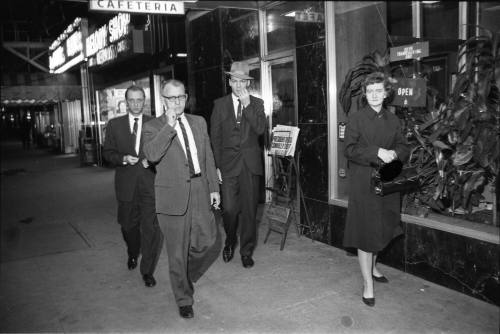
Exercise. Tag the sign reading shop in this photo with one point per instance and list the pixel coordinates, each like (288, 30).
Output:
(109, 41)
(138, 6)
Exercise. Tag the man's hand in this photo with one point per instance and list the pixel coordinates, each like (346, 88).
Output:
(219, 176)
(244, 98)
(171, 117)
(387, 155)
(215, 200)
(130, 160)
(145, 163)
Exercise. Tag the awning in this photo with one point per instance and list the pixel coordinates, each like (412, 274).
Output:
(39, 95)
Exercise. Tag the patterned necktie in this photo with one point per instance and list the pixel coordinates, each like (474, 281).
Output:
(238, 114)
(188, 150)
(136, 125)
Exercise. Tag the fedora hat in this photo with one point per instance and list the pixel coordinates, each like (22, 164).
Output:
(240, 70)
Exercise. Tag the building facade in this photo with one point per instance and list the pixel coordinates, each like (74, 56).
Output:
(299, 54)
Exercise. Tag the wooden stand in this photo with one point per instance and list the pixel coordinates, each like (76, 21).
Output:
(282, 207)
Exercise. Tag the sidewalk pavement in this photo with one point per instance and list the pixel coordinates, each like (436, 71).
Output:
(63, 270)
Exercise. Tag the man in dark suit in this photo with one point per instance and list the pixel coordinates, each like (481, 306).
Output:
(185, 186)
(134, 185)
(237, 121)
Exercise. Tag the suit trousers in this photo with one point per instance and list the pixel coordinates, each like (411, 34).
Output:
(192, 240)
(240, 196)
(140, 228)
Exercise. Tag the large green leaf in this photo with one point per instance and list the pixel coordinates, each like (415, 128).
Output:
(462, 155)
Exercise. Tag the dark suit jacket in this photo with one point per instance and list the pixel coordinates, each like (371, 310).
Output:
(172, 182)
(232, 146)
(120, 142)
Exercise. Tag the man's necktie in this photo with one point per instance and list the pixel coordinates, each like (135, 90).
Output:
(188, 150)
(136, 125)
(238, 114)
(134, 133)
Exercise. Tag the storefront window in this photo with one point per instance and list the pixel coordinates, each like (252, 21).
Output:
(281, 21)
(399, 18)
(111, 102)
(240, 33)
(452, 155)
(440, 19)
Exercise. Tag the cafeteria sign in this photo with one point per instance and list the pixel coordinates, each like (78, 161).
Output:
(409, 93)
(412, 51)
(138, 6)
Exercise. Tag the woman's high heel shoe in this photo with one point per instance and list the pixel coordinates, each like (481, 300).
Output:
(369, 301)
(380, 279)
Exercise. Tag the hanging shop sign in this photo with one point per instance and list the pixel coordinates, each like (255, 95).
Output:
(411, 51)
(114, 40)
(137, 6)
(410, 92)
(67, 50)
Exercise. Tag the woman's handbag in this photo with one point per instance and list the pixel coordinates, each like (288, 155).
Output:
(388, 178)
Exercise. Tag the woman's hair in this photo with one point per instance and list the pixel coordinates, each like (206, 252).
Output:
(377, 77)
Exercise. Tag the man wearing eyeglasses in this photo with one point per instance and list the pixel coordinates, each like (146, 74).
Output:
(134, 185)
(237, 121)
(186, 187)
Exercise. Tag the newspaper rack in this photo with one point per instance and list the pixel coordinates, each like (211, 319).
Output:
(286, 187)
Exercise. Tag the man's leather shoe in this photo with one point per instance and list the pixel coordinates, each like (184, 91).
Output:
(227, 253)
(186, 311)
(149, 280)
(247, 261)
(132, 263)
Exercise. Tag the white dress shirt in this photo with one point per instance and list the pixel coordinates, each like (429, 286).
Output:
(139, 129)
(236, 101)
(192, 144)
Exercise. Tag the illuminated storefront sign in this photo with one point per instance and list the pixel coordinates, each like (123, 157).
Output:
(67, 50)
(109, 41)
(309, 17)
(137, 6)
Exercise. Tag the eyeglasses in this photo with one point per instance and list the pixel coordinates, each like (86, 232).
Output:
(180, 98)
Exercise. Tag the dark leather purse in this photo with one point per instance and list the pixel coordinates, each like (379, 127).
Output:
(392, 177)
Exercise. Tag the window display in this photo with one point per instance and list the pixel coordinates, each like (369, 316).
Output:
(111, 102)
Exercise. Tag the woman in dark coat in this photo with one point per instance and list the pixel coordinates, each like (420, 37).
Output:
(373, 133)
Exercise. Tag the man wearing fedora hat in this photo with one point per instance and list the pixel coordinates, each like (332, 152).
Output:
(237, 121)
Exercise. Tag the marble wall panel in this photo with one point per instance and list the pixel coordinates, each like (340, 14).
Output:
(318, 212)
(313, 31)
(204, 42)
(208, 85)
(311, 83)
(313, 165)
(457, 262)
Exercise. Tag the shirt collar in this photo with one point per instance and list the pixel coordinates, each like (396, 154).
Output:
(131, 117)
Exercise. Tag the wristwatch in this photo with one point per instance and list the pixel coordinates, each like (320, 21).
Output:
(124, 162)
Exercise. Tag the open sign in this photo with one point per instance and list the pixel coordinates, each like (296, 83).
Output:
(409, 92)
